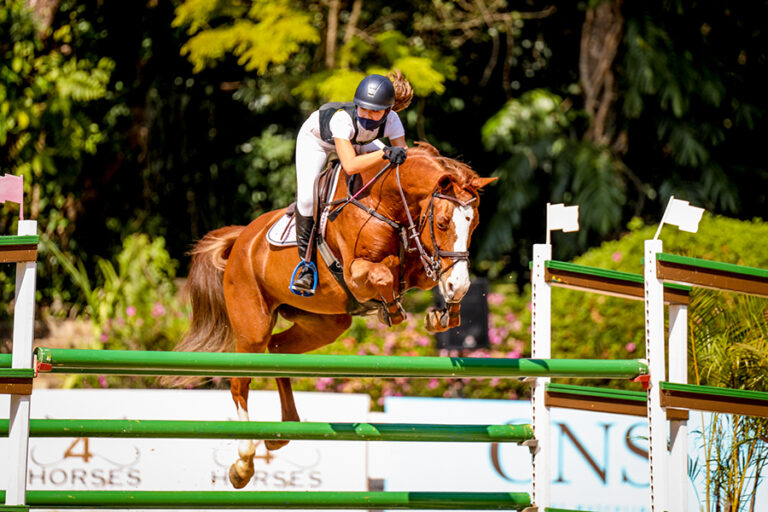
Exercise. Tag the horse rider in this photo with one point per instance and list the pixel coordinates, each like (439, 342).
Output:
(352, 130)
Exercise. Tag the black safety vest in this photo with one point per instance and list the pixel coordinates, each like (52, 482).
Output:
(326, 113)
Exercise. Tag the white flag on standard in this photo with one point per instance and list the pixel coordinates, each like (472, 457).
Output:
(683, 215)
(562, 217)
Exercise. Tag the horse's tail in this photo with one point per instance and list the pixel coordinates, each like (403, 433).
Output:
(209, 330)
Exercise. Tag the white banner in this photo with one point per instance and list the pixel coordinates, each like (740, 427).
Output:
(188, 464)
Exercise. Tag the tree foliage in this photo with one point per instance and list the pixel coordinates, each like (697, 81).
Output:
(261, 34)
(192, 108)
(46, 127)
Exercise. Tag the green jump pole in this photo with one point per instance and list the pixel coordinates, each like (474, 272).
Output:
(136, 362)
(276, 500)
(5, 360)
(293, 430)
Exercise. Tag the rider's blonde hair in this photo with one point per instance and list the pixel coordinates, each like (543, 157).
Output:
(403, 90)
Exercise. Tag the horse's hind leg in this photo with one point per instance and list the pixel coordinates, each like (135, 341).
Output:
(252, 324)
(309, 332)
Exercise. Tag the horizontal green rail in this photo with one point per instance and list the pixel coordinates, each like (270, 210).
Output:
(19, 240)
(17, 373)
(277, 500)
(172, 429)
(616, 275)
(588, 391)
(715, 391)
(713, 265)
(135, 362)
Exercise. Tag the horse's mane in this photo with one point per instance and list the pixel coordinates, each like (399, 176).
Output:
(462, 172)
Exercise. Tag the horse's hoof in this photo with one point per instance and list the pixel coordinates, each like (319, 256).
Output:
(435, 321)
(397, 318)
(240, 474)
(273, 445)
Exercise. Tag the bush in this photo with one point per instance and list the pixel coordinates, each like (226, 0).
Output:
(135, 307)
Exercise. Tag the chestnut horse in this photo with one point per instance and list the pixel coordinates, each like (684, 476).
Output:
(425, 212)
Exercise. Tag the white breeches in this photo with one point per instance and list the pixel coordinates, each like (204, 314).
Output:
(311, 156)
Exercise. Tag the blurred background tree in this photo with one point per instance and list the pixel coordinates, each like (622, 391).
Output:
(174, 118)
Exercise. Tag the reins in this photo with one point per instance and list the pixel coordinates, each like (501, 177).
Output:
(353, 198)
(431, 263)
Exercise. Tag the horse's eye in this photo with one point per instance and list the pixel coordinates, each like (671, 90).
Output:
(443, 222)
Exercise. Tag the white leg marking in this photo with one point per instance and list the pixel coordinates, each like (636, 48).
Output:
(245, 447)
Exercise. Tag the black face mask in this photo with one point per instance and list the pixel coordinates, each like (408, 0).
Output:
(370, 124)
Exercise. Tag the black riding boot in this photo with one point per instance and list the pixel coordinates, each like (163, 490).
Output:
(305, 278)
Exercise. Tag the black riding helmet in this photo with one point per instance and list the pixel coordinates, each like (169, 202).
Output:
(375, 92)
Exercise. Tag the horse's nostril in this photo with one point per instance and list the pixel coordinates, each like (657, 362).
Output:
(450, 287)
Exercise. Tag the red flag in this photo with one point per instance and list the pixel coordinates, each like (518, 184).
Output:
(12, 189)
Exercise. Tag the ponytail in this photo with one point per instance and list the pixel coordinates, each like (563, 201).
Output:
(403, 90)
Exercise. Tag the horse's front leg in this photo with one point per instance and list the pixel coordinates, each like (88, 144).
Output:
(439, 320)
(369, 280)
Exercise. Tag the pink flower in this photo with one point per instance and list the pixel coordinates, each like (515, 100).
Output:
(322, 383)
(103, 381)
(130, 311)
(433, 383)
(617, 256)
(495, 299)
(104, 337)
(630, 346)
(158, 310)
(423, 341)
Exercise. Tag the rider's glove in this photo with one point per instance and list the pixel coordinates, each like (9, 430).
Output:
(394, 154)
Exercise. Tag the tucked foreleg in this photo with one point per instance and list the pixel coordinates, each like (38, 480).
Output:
(439, 320)
(369, 280)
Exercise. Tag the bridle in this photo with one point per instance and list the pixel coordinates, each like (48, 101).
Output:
(432, 262)
(410, 234)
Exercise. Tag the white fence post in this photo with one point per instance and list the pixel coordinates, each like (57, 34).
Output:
(541, 340)
(23, 337)
(678, 372)
(654, 350)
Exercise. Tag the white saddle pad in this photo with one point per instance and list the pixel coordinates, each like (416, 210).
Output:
(283, 232)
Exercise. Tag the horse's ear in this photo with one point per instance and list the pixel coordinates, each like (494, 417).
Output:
(478, 183)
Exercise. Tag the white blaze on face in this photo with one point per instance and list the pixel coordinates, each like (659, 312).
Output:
(455, 283)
